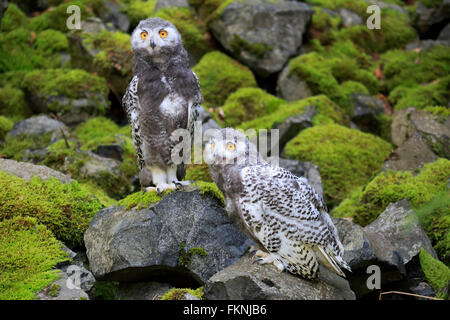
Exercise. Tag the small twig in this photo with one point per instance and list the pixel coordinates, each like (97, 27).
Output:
(406, 294)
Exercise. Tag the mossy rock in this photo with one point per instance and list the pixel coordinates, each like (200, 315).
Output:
(192, 30)
(412, 68)
(347, 158)
(74, 95)
(137, 10)
(436, 93)
(15, 147)
(327, 112)
(28, 255)
(367, 203)
(198, 172)
(436, 273)
(13, 18)
(140, 200)
(13, 104)
(209, 9)
(248, 103)
(219, 76)
(65, 209)
(179, 294)
(5, 126)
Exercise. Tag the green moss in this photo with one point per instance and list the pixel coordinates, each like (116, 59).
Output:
(411, 68)
(72, 83)
(358, 6)
(192, 29)
(209, 9)
(185, 256)
(63, 208)
(347, 158)
(431, 3)
(105, 290)
(28, 254)
(436, 273)
(5, 126)
(56, 18)
(248, 103)
(352, 87)
(13, 104)
(220, 76)
(179, 294)
(13, 18)
(99, 193)
(14, 147)
(211, 189)
(366, 204)
(322, 21)
(139, 200)
(326, 112)
(441, 112)
(138, 10)
(51, 41)
(198, 172)
(421, 96)
(434, 217)
(256, 49)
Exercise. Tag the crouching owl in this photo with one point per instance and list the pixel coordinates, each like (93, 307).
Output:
(162, 97)
(281, 212)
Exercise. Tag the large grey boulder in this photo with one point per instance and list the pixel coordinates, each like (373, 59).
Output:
(111, 12)
(27, 171)
(245, 280)
(183, 239)
(262, 34)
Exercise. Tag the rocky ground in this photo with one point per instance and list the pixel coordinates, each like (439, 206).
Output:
(363, 114)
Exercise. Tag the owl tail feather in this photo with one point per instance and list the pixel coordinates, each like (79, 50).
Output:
(330, 260)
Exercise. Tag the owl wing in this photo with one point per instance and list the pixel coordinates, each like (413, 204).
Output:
(130, 103)
(193, 109)
(289, 217)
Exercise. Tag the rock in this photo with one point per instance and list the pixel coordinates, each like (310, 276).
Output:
(391, 6)
(112, 151)
(142, 290)
(366, 113)
(171, 3)
(111, 13)
(183, 240)
(27, 171)
(207, 120)
(245, 280)
(304, 169)
(62, 289)
(425, 45)
(430, 21)
(411, 155)
(40, 125)
(291, 127)
(445, 33)
(3, 7)
(290, 87)
(349, 18)
(423, 289)
(408, 122)
(256, 33)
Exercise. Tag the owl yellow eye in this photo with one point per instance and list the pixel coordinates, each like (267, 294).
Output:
(144, 35)
(212, 146)
(231, 146)
(163, 33)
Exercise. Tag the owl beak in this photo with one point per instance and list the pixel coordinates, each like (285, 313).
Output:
(152, 44)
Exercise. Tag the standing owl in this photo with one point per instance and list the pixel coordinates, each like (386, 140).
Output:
(162, 97)
(281, 212)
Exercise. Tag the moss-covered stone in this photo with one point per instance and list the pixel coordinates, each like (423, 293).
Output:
(411, 68)
(54, 90)
(137, 10)
(5, 126)
(13, 18)
(193, 31)
(256, 49)
(219, 76)
(367, 203)
(185, 256)
(28, 255)
(179, 294)
(140, 200)
(209, 9)
(435, 93)
(211, 189)
(14, 147)
(198, 172)
(347, 158)
(326, 112)
(442, 112)
(13, 104)
(65, 209)
(434, 217)
(436, 273)
(248, 103)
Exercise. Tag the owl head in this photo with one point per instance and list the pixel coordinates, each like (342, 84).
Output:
(155, 37)
(229, 146)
